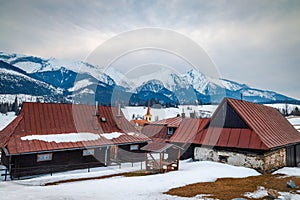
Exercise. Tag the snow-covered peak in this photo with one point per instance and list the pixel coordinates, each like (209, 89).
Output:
(120, 78)
(151, 85)
(197, 79)
(231, 85)
(32, 64)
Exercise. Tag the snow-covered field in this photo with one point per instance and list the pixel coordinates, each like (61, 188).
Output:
(142, 187)
(131, 188)
(159, 114)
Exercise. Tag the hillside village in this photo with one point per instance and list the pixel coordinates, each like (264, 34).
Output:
(240, 133)
(50, 138)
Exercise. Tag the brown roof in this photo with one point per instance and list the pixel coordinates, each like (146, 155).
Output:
(51, 118)
(247, 125)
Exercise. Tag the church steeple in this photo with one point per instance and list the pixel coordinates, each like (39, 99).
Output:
(148, 115)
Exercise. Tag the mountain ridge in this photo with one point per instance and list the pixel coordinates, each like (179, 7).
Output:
(74, 79)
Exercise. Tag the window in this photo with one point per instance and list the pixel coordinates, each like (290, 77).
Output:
(134, 147)
(223, 159)
(88, 152)
(44, 157)
(170, 131)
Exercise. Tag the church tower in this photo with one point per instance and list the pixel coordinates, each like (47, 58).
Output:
(148, 116)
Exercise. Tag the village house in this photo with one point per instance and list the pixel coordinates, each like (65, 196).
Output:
(49, 137)
(243, 134)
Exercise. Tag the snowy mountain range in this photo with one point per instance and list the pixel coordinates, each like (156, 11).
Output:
(78, 81)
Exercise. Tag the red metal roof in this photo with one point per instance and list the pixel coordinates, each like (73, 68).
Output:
(267, 129)
(169, 122)
(271, 127)
(155, 131)
(188, 129)
(157, 147)
(51, 118)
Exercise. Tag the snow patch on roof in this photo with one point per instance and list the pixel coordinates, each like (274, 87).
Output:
(112, 135)
(65, 137)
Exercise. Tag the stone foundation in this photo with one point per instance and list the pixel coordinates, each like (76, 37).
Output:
(265, 163)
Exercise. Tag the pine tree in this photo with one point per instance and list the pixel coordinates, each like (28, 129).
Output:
(296, 111)
(15, 106)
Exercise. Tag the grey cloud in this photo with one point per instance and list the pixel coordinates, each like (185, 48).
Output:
(247, 39)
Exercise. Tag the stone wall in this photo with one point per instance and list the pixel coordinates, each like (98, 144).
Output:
(262, 163)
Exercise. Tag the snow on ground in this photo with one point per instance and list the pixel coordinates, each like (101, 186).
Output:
(5, 119)
(263, 192)
(10, 98)
(164, 113)
(281, 106)
(142, 187)
(259, 193)
(291, 171)
(295, 121)
(157, 114)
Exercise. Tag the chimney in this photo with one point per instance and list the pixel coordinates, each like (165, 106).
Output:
(183, 113)
(119, 109)
(96, 109)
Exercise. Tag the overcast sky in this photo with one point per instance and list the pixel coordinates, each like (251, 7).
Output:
(252, 42)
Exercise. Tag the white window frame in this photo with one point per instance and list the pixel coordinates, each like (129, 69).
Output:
(44, 157)
(134, 147)
(88, 152)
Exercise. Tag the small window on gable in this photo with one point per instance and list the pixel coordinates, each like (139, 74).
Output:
(134, 147)
(170, 131)
(44, 157)
(88, 152)
(223, 159)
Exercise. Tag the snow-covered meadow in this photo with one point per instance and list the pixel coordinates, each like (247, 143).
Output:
(142, 187)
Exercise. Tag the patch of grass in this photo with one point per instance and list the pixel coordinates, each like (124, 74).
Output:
(126, 174)
(229, 188)
(137, 173)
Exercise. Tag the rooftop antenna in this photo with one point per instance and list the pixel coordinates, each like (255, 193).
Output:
(241, 96)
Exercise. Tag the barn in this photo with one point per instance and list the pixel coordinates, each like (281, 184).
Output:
(49, 137)
(243, 134)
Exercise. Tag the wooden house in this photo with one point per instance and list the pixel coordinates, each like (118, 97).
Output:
(49, 137)
(162, 156)
(243, 134)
